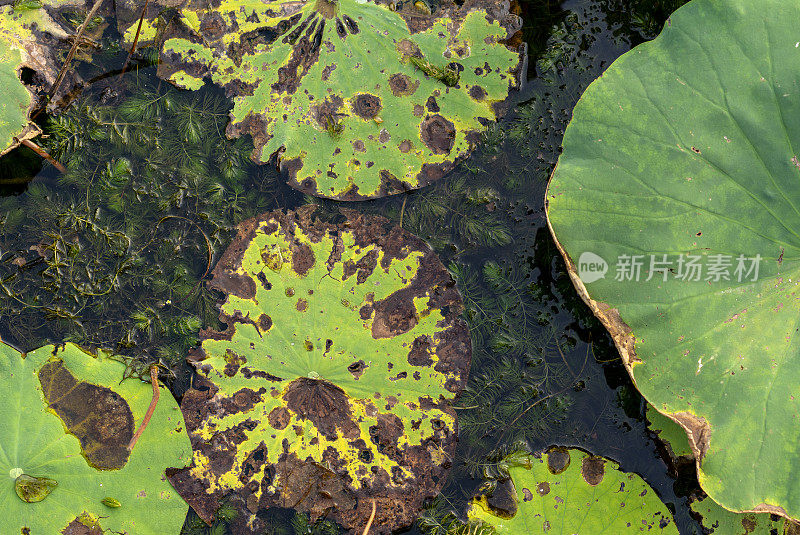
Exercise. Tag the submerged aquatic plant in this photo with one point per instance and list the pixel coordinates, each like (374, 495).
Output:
(113, 252)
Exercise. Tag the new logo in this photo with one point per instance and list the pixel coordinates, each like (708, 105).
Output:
(591, 267)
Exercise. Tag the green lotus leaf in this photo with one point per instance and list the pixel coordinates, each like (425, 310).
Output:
(567, 491)
(676, 204)
(331, 387)
(67, 420)
(358, 100)
(713, 517)
(719, 521)
(669, 433)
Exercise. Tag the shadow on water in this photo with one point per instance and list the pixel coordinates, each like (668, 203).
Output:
(114, 252)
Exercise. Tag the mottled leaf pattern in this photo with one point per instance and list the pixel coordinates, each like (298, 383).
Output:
(356, 102)
(331, 386)
(565, 492)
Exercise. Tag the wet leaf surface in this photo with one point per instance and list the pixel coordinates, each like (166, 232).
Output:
(51, 436)
(589, 495)
(686, 150)
(358, 100)
(331, 386)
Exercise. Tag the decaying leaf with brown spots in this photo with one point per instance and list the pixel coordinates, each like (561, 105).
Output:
(358, 100)
(571, 491)
(332, 385)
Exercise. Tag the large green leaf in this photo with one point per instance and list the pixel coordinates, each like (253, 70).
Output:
(348, 91)
(670, 434)
(566, 492)
(66, 416)
(713, 517)
(331, 386)
(689, 146)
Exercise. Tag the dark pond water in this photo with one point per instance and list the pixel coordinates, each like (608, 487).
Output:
(115, 250)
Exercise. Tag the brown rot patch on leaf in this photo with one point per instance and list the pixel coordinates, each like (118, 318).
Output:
(279, 418)
(593, 469)
(99, 417)
(324, 403)
(438, 134)
(394, 315)
(327, 113)
(402, 85)
(357, 368)
(558, 460)
(76, 527)
(317, 490)
(420, 354)
(503, 499)
(543, 488)
(367, 106)
(302, 259)
(477, 92)
(698, 431)
(305, 54)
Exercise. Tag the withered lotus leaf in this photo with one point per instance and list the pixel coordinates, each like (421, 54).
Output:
(331, 386)
(358, 100)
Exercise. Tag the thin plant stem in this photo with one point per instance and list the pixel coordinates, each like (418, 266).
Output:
(78, 36)
(403, 210)
(135, 40)
(44, 154)
(371, 518)
(150, 410)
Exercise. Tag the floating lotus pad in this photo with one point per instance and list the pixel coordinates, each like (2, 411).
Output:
(66, 421)
(28, 37)
(356, 104)
(331, 386)
(719, 521)
(688, 149)
(570, 491)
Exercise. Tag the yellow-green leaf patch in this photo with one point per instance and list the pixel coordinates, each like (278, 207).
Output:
(357, 100)
(28, 36)
(568, 491)
(332, 385)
